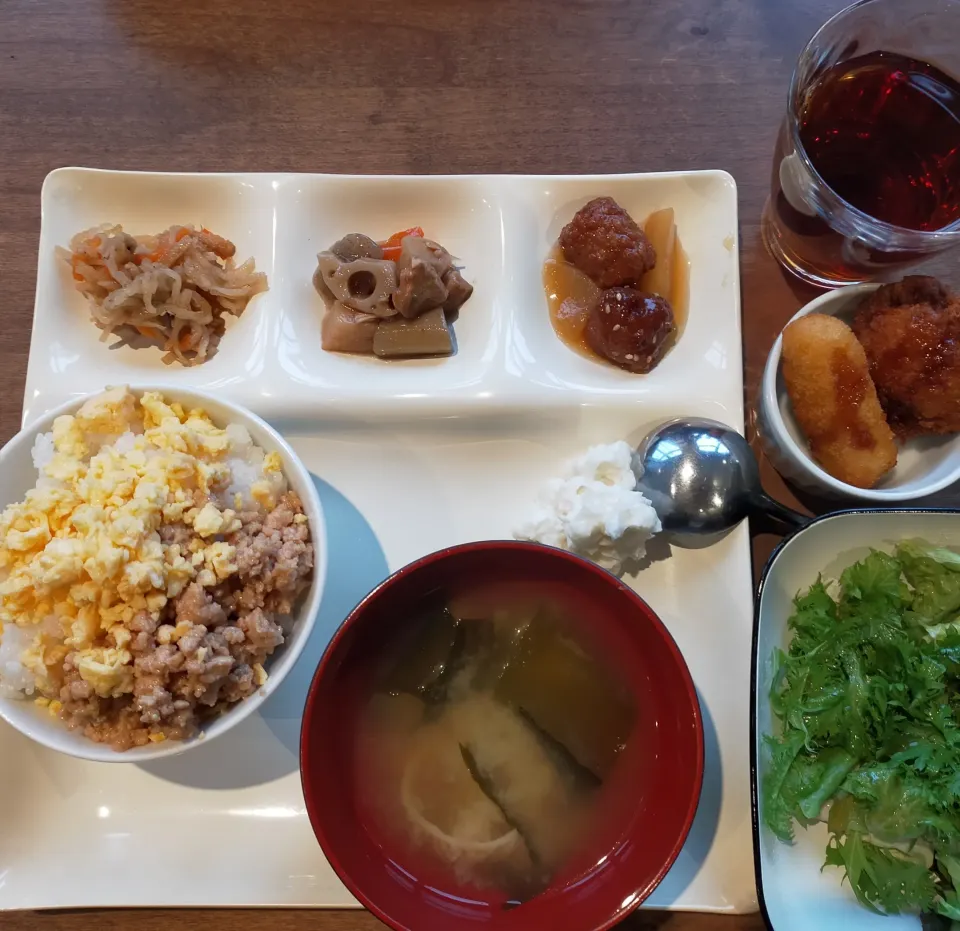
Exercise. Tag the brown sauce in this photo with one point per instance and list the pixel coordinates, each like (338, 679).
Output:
(571, 295)
(850, 385)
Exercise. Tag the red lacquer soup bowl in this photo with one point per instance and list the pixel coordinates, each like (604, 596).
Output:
(650, 798)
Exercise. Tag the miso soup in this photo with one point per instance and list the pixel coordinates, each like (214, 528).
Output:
(493, 734)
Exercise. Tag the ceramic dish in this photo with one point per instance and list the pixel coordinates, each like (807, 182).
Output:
(602, 885)
(17, 474)
(795, 893)
(270, 359)
(469, 440)
(924, 465)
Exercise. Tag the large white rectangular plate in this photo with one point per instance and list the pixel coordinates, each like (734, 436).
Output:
(409, 457)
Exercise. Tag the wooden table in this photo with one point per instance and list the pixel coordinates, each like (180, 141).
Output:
(422, 86)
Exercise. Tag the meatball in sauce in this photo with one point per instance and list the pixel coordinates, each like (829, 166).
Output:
(605, 243)
(602, 244)
(631, 328)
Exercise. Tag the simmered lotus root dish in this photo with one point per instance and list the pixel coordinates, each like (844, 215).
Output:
(171, 290)
(150, 573)
(610, 285)
(896, 373)
(392, 299)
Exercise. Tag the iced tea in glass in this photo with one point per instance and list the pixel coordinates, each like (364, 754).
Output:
(866, 174)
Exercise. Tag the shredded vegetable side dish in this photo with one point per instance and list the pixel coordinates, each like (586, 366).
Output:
(170, 290)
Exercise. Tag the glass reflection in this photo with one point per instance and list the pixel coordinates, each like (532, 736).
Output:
(666, 450)
(707, 443)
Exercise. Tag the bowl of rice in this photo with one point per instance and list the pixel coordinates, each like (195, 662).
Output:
(162, 561)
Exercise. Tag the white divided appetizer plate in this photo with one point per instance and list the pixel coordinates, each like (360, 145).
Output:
(409, 457)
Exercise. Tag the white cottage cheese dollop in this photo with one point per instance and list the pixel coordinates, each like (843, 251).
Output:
(594, 510)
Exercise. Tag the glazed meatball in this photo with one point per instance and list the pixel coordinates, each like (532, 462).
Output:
(631, 329)
(603, 241)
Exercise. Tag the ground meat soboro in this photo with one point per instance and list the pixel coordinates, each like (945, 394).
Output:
(206, 649)
(604, 242)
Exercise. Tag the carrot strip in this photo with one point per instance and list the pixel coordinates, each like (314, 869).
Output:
(397, 238)
(392, 253)
(149, 331)
(159, 252)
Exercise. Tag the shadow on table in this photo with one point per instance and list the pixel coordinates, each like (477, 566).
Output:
(265, 747)
(704, 827)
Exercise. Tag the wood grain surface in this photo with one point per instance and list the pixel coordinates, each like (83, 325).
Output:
(421, 86)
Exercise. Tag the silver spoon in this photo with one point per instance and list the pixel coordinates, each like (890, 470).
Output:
(703, 478)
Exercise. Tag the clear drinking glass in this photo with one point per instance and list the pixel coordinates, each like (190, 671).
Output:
(808, 225)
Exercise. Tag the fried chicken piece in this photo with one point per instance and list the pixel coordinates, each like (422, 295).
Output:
(911, 334)
(828, 381)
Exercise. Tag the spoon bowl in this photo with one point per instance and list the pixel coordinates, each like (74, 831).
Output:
(703, 478)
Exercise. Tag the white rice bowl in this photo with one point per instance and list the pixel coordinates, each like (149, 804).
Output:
(30, 449)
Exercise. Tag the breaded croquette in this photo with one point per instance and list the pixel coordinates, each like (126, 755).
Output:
(835, 402)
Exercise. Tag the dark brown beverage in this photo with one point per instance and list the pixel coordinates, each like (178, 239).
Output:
(883, 132)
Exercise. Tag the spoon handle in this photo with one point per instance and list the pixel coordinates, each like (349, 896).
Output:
(781, 513)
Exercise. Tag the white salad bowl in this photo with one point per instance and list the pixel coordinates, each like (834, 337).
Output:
(924, 465)
(795, 892)
(18, 475)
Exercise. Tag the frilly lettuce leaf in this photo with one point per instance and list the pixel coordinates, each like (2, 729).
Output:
(868, 699)
(883, 880)
(933, 573)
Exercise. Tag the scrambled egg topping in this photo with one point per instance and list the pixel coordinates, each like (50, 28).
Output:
(81, 555)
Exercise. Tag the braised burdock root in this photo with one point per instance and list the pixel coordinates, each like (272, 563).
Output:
(172, 290)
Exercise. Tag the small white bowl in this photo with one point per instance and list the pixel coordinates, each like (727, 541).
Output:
(17, 475)
(924, 466)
